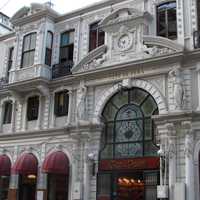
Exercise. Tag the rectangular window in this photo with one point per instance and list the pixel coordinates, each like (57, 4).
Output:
(49, 43)
(28, 51)
(67, 47)
(97, 36)
(7, 112)
(166, 20)
(32, 108)
(61, 103)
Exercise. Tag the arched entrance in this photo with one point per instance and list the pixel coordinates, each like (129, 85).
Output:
(5, 167)
(26, 167)
(128, 162)
(56, 165)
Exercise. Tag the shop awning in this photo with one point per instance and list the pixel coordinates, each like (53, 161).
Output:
(26, 164)
(56, 163)
(5, 165)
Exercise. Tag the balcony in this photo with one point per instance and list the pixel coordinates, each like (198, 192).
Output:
(62, 69)
(28, 73)
(196, 38)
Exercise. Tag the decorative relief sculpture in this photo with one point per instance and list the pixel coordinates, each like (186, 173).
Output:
(81, 108)
(178, 89)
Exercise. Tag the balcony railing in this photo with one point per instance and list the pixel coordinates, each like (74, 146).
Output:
(196, 38)
(62, 69)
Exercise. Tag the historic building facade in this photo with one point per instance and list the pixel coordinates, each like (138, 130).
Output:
(5, 25)
(101, 103)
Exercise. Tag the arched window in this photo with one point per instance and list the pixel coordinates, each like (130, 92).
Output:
(28, 51)
(7, 112)
(128, 161)
(166, 20)
(33, 108)
(128, 125)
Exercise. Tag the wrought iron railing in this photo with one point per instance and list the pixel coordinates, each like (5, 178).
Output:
(62, 69)
(196, 39)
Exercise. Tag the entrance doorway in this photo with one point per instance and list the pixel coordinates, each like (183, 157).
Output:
(27, 186)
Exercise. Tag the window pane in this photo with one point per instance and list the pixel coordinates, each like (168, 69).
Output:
(61, 103)
(7, 113)
(120, 99)
(148, 129)
(137, 96)
(25, 59)
(172, 26)
(65, 38)
(49, 40)
(31, 58)
(33, 108)
(149, 106)
(128, 150)
(162, 27)
(26, 44)
(104, 185)
(110, 112)
(33, 41)
(129, 131)
(107, 152)
(150, 149)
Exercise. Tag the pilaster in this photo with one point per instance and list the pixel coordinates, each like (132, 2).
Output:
(69, 118)
(14, 104)
(1, 117)
(189, 161)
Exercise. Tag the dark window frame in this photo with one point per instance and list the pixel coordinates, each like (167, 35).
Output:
(30, 50)
(33, 105)
(8, 109)
(69, 47)
(167, 24)
(48, 53)
(61, 110)
(98, 34)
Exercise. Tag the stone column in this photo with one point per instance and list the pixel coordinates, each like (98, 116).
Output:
(13, 187)
(13, 115)
(198, 85)
(1, 117)
(189, 161)
(24, 116)
(69, 119)
(52, 123)
(38, 126)
(41, 185)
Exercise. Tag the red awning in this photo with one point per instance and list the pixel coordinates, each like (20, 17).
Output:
(5, 165)
(56, 163)
(26, 164)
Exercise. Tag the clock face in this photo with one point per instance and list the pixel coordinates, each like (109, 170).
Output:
(124, 42)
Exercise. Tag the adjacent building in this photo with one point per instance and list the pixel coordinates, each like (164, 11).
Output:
(102, 103)
(5, 26)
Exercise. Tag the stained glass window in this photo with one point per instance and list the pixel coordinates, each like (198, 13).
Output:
(128, 125)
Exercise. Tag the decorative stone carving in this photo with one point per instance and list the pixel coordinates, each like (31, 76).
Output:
(178, 89)
(81, 108)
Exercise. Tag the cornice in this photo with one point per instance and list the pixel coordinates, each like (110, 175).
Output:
(34, 17)
(90, 8)
(7, 36)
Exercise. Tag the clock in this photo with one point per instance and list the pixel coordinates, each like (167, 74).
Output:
(124, 42)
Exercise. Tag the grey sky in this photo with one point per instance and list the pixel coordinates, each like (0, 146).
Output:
(9, 7)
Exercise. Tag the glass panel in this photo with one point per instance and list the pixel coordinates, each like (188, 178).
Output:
(25, 59)
(172, 25)
(110, 112)
(71, 37)
(109, 133)
(31, 58)
(33, 41)
(120, 99)
(137, 96)
(33, 107)
(104, 185)
(129, 112)
(49, 40)
(128, 150)
(4, 185)
(26, 44)
(7, 113)
(107, 152)
(162, 28)
(127, 131)
(148, 129)
(65, 39)
(150, 149)
(149, 106)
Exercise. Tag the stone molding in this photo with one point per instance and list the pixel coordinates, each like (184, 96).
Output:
(160, 100)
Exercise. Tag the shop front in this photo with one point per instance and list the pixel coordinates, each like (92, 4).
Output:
(128, 161)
